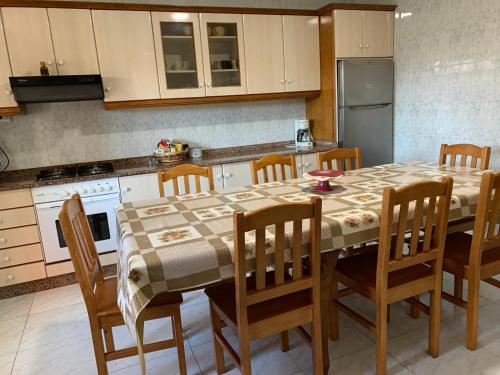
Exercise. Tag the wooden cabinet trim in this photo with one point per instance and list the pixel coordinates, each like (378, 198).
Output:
(15, 199)
(11, 111)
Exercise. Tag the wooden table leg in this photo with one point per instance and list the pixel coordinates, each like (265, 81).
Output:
(328, 262)
(139, 337)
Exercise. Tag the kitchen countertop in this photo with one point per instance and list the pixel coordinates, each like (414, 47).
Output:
(26, 178)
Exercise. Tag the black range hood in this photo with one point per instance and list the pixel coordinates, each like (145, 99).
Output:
(47, 89)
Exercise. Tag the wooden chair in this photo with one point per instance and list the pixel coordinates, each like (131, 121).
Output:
(100, 294)
(273, 160)
(469, 155)
(391, 274)
(341, 156)
(185, 170)
(272, 302)
(476, 258)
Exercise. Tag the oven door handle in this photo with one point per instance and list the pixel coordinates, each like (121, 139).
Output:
(98, 198)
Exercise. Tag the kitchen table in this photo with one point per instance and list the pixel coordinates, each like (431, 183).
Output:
(185, 242)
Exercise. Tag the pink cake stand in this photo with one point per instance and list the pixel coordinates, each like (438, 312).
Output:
(323, 178)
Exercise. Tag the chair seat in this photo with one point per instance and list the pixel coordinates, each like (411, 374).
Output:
(107, 297)
(457, 252)
(224, 297)
(362, 269)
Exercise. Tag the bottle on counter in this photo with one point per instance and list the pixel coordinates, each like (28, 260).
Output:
(44, 71)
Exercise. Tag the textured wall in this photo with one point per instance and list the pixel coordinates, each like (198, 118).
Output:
(447, 76)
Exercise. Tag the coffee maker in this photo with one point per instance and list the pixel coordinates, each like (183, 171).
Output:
(303, 135)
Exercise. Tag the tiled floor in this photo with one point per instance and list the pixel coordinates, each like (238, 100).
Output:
(48, 333)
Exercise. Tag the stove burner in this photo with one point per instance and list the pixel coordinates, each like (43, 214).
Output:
(91, 170)
(56, 174)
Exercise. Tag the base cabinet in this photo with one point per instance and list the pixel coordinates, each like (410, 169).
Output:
(139, 187)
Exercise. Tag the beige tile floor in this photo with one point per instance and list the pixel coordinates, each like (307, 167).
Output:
(48, 333)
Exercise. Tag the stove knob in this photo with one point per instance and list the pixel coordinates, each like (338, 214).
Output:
(92, 190)
(84, 191)
(74, 191)
(110, 188)
(66, 193)
(101, 188)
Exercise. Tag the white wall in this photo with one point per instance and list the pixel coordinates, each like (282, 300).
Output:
(447, 76)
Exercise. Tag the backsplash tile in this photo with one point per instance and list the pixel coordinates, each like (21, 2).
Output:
(59, 133)
(447, 76)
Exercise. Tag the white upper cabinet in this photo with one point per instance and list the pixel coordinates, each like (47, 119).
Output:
(29, 42)
(178, 54)
(364, 33)
(126, 52)
(223, 54)
(301, 51)
(264, 53)
(73, 40)
(6, 97)
(348, 33)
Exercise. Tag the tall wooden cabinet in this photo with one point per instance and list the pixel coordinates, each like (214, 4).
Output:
(6, 97)
(126, 53)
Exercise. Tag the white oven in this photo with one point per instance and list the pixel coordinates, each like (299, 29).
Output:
(100, 210)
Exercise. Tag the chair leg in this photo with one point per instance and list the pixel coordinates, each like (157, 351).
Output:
(179, 340)
(472, 313)
(317, 343)
(414, 310)
(388, 313)
(245, 357)
(99, 352)
(218, 350)
(434, 322)
(458, 287)
(334, 312)
(381, 332)
(139, 327)
(284, 342)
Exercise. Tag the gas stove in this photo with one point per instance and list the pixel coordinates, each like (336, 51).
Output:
(70, 172)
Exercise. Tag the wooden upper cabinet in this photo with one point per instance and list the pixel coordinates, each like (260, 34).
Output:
(301, 51)
(264, 53)
(178, 54)
(73, 40)
(348, 33)
(376, 34)
(223, 54)
(6, 97)
(363, 33)
(126, 52)
(29, 42)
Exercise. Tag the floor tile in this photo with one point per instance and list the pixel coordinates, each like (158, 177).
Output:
(73, 356)
(193, 298)
(16, 307)
(56, 298)
(55, 325)
(6, 363)
(196, 324)
(11, 331)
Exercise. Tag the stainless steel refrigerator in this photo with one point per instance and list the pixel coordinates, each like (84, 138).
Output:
(365, 108)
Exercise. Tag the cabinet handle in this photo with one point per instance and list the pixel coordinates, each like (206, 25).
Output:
(282, 81)
(127, 189)
(3, 240)
(361, 46)
(50, 62)
(201, 85)
(6, 258)
(60, 62)
(367, 46)
(8, 92)
(289, 81)
(219, 176)
(208, 84)
(10, 277)
(107, 89)
(1, 221)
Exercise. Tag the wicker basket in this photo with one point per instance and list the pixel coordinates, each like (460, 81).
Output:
(171, 158)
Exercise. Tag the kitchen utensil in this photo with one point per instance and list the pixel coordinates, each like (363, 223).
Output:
(323, 178)
(187, 30)
(226, 64)
(219, 30)
(303, 135)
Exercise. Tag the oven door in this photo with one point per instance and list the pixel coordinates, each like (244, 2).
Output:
(100, 212)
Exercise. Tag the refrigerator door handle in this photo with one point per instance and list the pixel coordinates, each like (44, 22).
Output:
(367, 107)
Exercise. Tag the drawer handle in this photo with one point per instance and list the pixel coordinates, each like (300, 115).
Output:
(3, 240)
(1, 221)
(6, 258)
(10, 277)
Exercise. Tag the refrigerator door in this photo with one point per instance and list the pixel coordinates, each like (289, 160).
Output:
(369, 128)
(365, 82)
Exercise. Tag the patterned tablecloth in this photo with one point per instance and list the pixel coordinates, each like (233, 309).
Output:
(185, 242)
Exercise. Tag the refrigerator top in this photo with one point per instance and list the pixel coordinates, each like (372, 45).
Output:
(365, 82)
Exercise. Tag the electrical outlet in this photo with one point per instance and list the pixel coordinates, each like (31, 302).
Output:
(5, 119)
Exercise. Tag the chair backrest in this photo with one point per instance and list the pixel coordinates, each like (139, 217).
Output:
(341, 156)
(415, 204)
(272, 161)
(277, 216)
(184, 171)
(486, 230)
(78, 236)
(465, 151)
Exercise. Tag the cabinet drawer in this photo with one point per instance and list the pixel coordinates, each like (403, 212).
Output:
(15, 198)
(20, 255)
(17, 217)
(21, 274)
(19, 236)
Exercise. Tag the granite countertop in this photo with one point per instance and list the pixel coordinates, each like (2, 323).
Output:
(26, 178)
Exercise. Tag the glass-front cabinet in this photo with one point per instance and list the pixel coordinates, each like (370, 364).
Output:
(178, 54)
(223, 56)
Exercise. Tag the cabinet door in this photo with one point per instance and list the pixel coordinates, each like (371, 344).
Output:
(169, 185)
(218, 178)
(237, 174)
(28, 39)
(223, 54)
(302, 66)
(264, 53)
(376, 34)
(6, 97)
(309, 162)
(140, 187)
(126, 53)
(348, 33)
(73, 40)
(178, 54)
